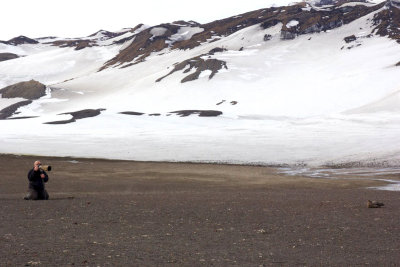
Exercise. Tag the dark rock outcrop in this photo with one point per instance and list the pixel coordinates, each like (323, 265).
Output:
(7, 56)
(311, 20)
(287, 35)
(387, 22)
(78, 43)
(201, 113)
(132, 113)
(20, 40)
(10, 110)
(267, 37)
(144, 44)
(350, 38)
(108, 34)
(29, 90)
(199, 64)
(77, 115)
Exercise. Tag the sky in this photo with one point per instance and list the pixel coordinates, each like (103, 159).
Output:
(79, 18)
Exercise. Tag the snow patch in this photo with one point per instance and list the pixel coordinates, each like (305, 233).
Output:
(158, 31)
(292, 23)
(184, 33)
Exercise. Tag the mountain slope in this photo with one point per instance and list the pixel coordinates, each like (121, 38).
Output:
(287, 85)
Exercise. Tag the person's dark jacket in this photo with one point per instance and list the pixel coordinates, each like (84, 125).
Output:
(35, 181)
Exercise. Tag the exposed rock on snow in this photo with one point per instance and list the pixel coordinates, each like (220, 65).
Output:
(104, 35)
(7, 56)
(395, 3)
(146, 42)
(295, 21)
(387, 22)
(78, 44)
(20, 40)
(10, 110)
(199, 64)
(28, 90)
(267, 37)
(77, 115)
(201, 113)
(350, 38)
(132, 113)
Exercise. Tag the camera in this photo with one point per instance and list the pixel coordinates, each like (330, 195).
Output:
(45, 168)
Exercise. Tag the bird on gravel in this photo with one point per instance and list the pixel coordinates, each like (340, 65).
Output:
(374, 204)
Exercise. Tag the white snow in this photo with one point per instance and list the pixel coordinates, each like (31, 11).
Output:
(292, 23)
(158, 31)
(184, 33)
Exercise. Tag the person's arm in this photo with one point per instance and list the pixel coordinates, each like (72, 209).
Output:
(46, 177)
(31, 175)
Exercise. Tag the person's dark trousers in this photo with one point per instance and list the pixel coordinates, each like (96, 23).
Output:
(37, 195)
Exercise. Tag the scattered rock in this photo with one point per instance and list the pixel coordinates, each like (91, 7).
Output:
(267, 37)
(216, 50)
(234, 103)
(287, 35)
(155, 114)
(219, 103)
(350, 38)
(374, 204)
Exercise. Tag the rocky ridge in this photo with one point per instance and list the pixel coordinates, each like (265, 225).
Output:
(298, 19)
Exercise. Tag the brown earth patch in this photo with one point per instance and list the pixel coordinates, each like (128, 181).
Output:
(29, 90)
(143, 45)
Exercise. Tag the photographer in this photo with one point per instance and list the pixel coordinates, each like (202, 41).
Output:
(37, 178)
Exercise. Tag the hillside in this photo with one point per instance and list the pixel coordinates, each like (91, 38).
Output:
(311, 83)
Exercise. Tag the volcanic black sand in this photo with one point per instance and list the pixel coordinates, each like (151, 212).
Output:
(121, 213)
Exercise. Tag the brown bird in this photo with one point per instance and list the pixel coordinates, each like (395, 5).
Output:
(374, 204)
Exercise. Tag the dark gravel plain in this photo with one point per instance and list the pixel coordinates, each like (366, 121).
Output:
(122, 213)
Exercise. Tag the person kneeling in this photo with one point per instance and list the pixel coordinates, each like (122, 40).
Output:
(37, 178)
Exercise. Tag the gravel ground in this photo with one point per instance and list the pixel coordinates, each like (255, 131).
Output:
(121, 213)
